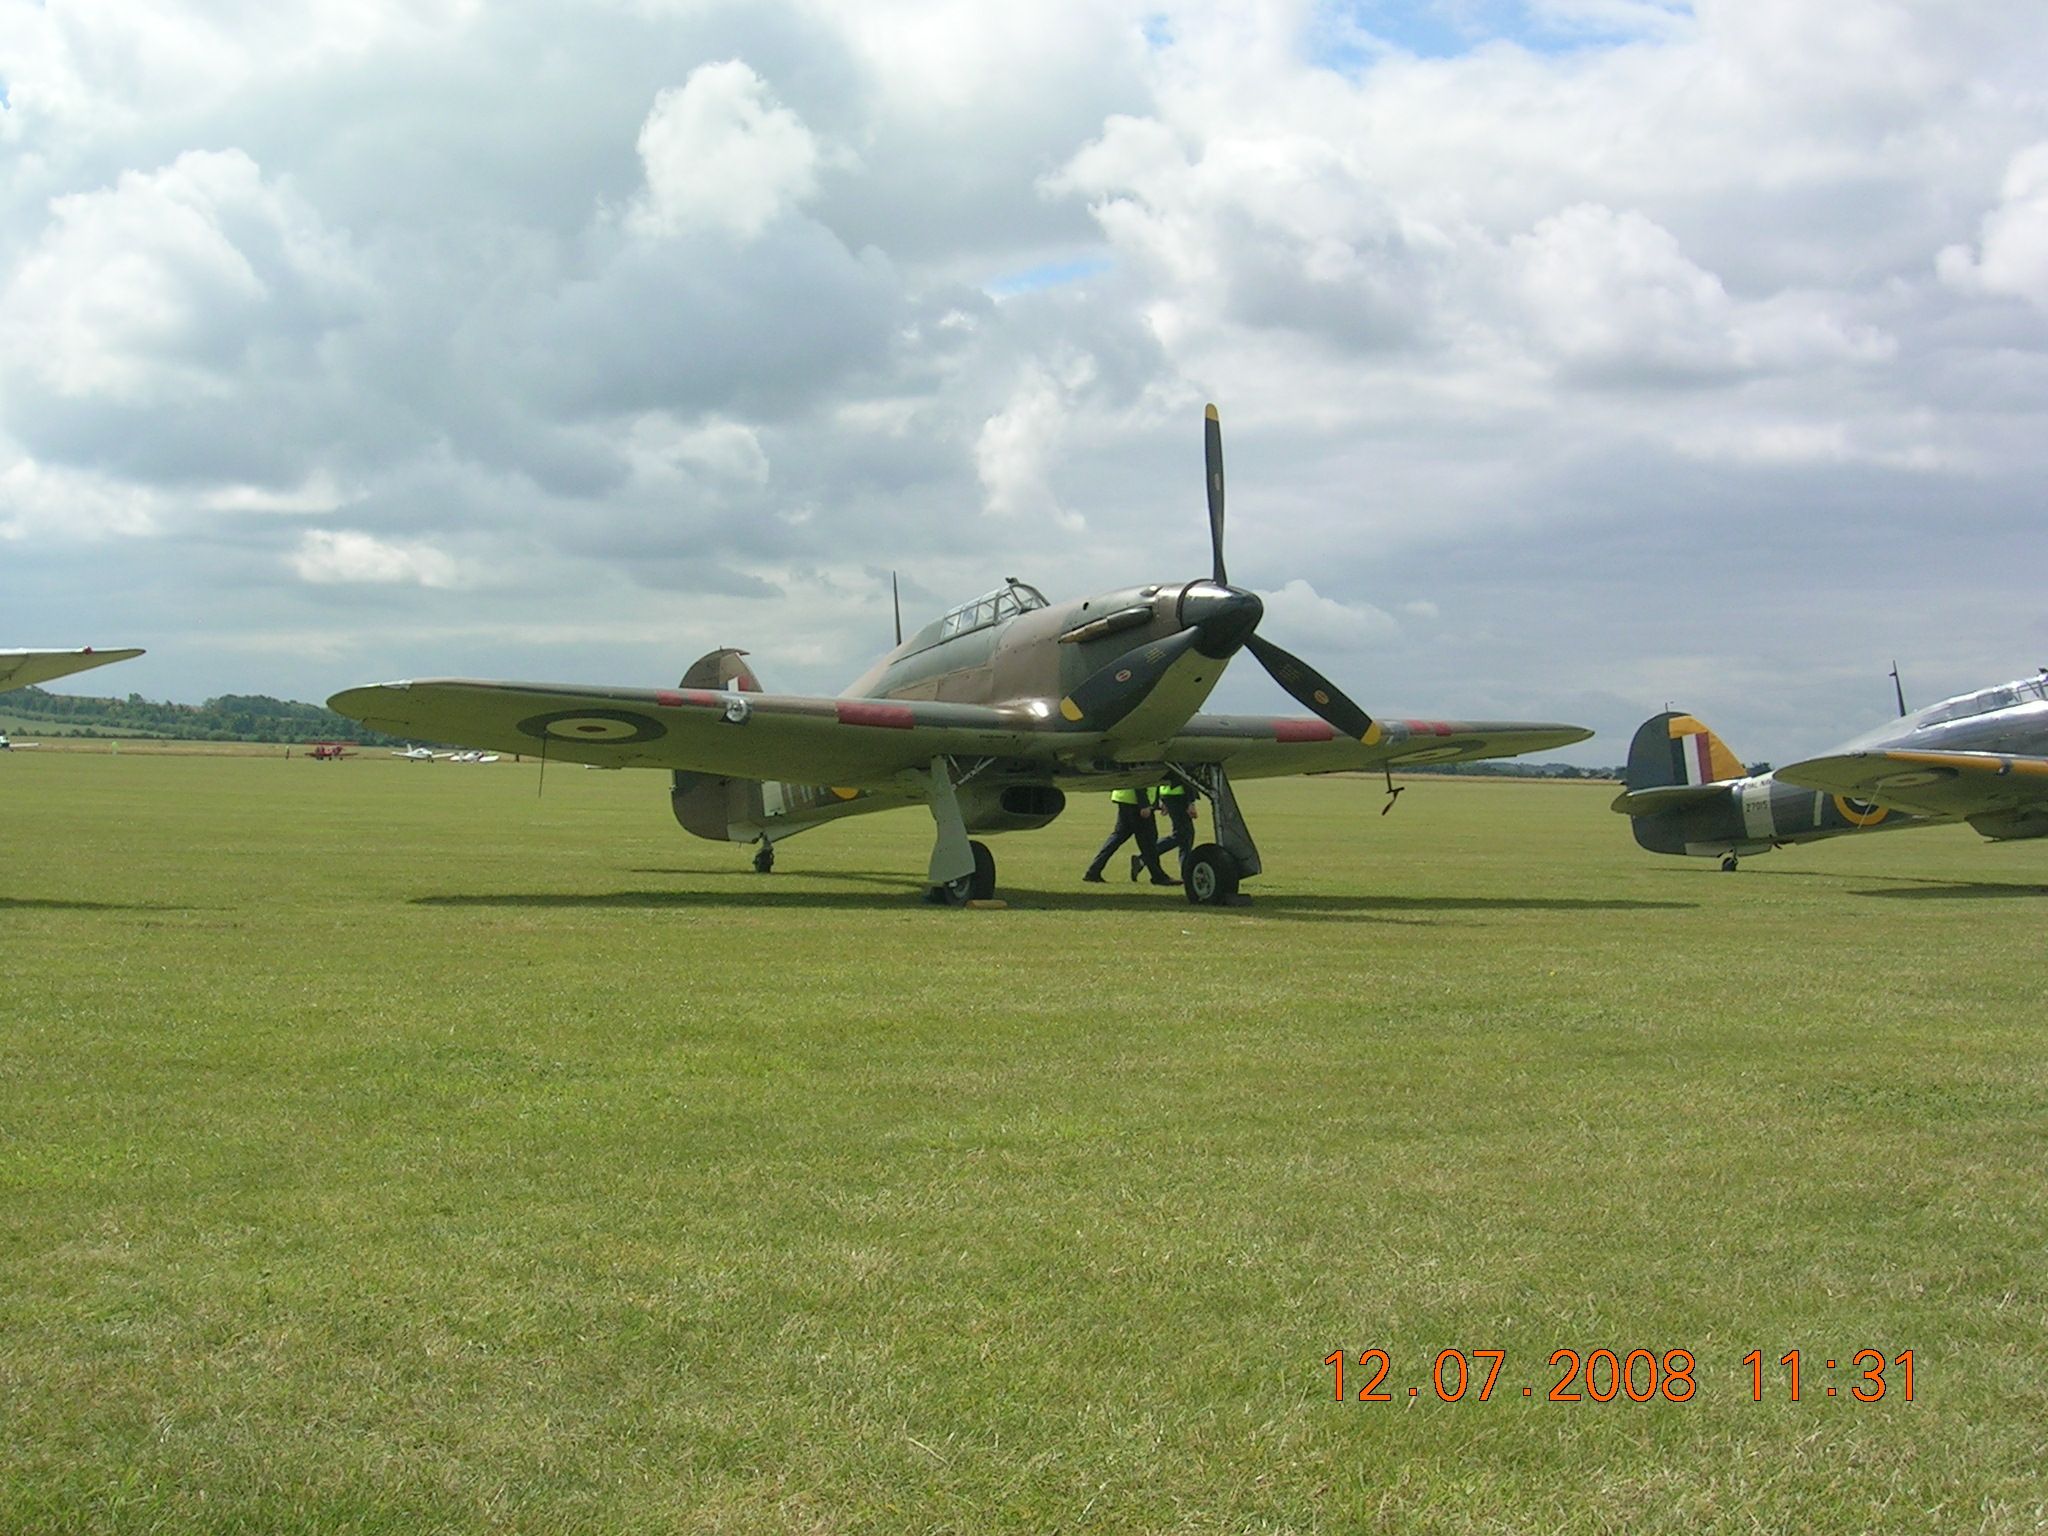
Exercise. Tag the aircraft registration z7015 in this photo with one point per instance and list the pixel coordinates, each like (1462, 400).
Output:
(1979, 757)
(989, 716)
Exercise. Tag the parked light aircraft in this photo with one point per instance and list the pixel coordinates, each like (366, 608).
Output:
(1979, 757)
(418, 754)
(23, 669)
(988, 716)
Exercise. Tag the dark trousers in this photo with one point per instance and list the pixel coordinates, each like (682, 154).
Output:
(1131, 821)
(1183, 839)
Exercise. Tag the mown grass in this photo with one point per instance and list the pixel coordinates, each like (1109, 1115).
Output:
(386, 1148)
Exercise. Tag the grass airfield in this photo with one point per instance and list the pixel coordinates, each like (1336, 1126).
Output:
(384, 1147)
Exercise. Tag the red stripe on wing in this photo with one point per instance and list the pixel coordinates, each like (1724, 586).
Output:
(894, 717)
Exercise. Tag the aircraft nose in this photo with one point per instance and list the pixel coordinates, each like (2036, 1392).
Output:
(1225, 616)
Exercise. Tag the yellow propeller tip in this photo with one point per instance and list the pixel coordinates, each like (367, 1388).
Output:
(1070, 709)
(1211, 413)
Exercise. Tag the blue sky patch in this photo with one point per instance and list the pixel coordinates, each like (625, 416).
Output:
(1349, 35)
(1050, 274)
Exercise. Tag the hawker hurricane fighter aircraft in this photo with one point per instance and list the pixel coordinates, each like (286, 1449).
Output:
(21, 669)
(1980, 757)
(988, 716)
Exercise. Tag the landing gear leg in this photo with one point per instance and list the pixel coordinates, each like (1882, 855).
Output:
(1210, 873)
(764, 857)
(960, 871)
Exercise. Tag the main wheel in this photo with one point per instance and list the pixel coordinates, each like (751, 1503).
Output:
(978, 886)
(1209, 875)
(764, 858)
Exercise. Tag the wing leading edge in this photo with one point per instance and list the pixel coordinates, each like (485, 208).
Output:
(24, 669)
(1263, 746)
(703, 730)
(869, 741)
(1956, 784)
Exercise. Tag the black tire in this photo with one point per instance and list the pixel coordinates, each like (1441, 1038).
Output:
(978, 886)
(764, 858)
(1728, 864)
(1209, 875)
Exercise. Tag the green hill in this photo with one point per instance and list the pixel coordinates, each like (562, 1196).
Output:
(231, 717)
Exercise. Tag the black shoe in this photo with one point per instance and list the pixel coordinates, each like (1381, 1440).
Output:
(1136, 860)
(1094, 877)
(1162, 878)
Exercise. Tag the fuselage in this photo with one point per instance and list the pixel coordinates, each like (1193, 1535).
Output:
(1012, 646)
(2010, 718)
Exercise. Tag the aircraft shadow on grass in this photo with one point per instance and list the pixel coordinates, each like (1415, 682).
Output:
(1904, 887)
(1959, 890)
(1312, 907)
(58, 904)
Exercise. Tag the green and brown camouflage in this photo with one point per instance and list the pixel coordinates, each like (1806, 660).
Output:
(990, 715)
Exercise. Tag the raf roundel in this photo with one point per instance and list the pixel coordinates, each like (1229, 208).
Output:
(611, 727)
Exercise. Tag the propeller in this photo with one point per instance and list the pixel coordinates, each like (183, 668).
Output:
(1221, 620)
(1310, 689)
(1212, 454)
(1109, 694)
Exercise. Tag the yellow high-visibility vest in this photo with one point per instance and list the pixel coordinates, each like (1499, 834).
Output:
(1130, 796)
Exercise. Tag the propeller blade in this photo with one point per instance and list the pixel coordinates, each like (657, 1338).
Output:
(1109, 694)
(1311, 689)
(1212, 449)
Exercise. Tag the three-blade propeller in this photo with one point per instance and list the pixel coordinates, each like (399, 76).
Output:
(1221, 620)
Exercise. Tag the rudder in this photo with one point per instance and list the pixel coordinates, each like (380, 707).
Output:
(1675, 748)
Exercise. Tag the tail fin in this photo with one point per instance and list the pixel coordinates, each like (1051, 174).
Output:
(1674, 749)
(707, 804)
(721, 668)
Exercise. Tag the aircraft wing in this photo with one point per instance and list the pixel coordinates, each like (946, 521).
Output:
(1263, 746)
(1929, 783)
(21, 669)
(739, 735)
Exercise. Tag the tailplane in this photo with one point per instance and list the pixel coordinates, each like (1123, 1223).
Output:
(1679, 784)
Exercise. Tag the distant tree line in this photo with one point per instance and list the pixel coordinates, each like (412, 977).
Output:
(1511, 769)
(231, 717)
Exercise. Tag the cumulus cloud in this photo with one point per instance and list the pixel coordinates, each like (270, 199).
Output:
(1301, 613)
(167, 281)
(721, 153)
(1017, 448)
(336, 557)
(1612, 296)
(676, 318)
(2012, 249)
(50, 502)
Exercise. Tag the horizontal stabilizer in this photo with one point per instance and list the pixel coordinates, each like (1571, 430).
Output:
(1666, 797)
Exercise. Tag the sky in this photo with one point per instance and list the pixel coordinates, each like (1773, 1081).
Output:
(1574, 357)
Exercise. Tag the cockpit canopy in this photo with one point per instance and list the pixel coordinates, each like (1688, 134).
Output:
(1984, 701)
(1006, 602)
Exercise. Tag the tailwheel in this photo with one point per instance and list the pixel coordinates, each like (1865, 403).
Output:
(764, 858)
(978, 886)
(1209, 875)
(1728, 864)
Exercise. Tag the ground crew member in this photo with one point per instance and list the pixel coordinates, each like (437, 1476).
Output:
(1179, 806)
(1135, 809)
